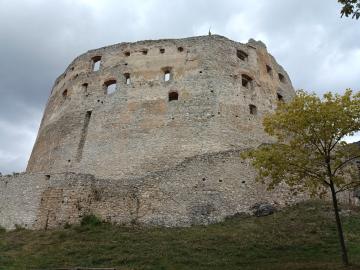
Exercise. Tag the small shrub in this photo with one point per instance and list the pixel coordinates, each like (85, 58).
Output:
(18, 227)
(67, 226)
(2, 230)
(90, 220)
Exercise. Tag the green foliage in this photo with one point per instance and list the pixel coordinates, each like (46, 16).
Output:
(350, 8)
(309, 148)
(289, 239)
(19, 227)
(67, 226)
(309, 152)
(91, 221)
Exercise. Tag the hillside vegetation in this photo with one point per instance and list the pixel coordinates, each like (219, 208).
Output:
(299, 237)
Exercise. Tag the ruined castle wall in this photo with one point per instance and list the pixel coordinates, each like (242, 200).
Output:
(136, 130)
(200, 190)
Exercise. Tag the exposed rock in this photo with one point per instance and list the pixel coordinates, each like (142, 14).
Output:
(262, 209)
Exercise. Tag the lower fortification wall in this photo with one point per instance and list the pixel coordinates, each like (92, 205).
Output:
(200, 190)
(20, 197)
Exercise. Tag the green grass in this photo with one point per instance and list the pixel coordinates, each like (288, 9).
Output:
(299, 237)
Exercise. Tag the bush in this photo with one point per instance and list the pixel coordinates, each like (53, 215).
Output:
(19, 227)
(91, 220)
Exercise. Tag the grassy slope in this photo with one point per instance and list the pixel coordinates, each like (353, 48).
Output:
(300, 237)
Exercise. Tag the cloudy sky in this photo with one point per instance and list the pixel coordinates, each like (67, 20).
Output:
(39, 38)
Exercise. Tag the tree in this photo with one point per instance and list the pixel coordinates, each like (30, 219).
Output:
(309, 153)
(350, 7)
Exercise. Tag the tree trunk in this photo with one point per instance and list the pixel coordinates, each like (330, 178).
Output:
(338, 224)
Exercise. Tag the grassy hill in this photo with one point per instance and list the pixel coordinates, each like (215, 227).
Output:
(299, 237)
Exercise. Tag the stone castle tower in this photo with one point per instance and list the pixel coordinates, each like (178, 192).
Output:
(135, 108)
(151, 132)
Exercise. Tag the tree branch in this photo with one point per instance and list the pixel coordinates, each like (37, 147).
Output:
(338, 139)
(349, 186)
(314, 143)
(308, 172)
(344, 163)
(317, 147)
(326, 183)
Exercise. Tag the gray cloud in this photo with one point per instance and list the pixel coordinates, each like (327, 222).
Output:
(39, 38)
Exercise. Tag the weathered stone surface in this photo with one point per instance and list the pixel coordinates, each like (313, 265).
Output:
(136, 130)
(200, 190)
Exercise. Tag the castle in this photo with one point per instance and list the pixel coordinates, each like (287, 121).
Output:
(151, 133)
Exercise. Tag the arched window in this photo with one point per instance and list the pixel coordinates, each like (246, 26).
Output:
(109, 86)
(180, 49)
(242, 55)
(269, 70)
(173, 95)
(84, 87)
(280, 97)
(252, 109)
(246, 81)
(281, 78)
(95, 63)
(162, 50)
(127, 78)
(65, 93)
(167, 74)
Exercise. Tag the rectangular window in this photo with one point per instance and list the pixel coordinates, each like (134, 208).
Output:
(96, 61)
(127, 78)
(253, 109)
(110, 86)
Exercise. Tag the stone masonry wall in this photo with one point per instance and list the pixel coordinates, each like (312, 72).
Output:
(200, 190)
(136, 130)
(20, 198)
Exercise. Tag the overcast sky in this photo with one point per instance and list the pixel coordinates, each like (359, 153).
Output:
(39, 38)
